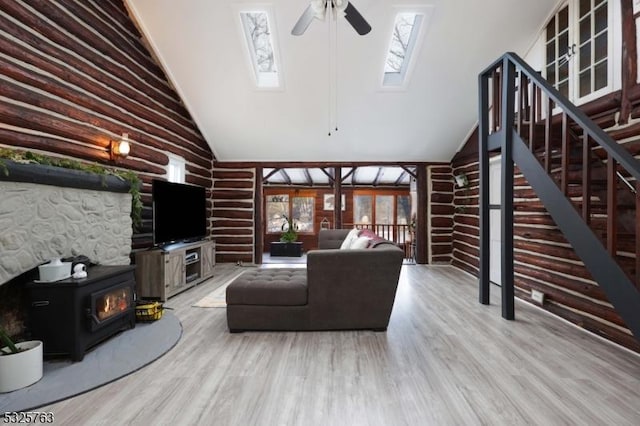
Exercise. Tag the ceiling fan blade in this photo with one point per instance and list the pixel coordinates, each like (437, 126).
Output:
(316, 9)
(356, 20)
(304, 22)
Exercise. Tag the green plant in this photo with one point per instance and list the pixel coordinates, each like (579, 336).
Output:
(130, 177)
(136, 197)
(6, 341)
(290, 229)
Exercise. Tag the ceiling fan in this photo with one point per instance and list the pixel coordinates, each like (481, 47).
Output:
(318, 9)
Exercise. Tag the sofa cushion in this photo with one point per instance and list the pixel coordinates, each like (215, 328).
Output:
(381, 242)
(368, 233)
(350, 238)
(360, 243)
(274, 287)
(331, 238)
(374, 239)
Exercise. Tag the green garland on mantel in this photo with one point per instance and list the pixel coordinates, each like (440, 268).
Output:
(28, 157)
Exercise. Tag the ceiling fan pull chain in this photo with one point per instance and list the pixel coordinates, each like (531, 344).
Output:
(329, 7)
(335, 71)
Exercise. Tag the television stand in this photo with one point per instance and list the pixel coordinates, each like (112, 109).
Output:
(163, 272)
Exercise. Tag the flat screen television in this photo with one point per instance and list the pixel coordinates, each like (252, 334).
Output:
(179, 212)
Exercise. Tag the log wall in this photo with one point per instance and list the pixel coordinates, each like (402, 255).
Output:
(75, 75)
(441, 211)
(466, 230)
(233, 215)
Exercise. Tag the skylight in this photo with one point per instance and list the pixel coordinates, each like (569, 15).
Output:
(404, 36)
(259, 37)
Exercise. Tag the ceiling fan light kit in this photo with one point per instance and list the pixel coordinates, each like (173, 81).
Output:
(317, 9)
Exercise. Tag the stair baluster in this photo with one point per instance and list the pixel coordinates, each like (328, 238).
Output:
(586, 178)
(612, 191)
(532, 116)
(564, 184)
(547, 135)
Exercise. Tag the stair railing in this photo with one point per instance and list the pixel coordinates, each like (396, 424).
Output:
(515, 102)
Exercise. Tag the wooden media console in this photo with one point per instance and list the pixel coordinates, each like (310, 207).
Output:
(165, 272)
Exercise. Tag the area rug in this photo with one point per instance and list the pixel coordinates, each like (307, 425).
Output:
(218, 297)
(117, 357)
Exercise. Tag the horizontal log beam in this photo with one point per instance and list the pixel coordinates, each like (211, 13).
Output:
(441, 197)
(235, 257)
(316, 164)
(233, 231)
(233, 214)
(233, 204)
(442, 209)
(233, 174)
(231, 223)
(220, 184)
(222, 194)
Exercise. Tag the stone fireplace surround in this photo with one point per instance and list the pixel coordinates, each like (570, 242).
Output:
(48, 212)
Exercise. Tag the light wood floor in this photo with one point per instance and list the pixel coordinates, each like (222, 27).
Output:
(445, 360)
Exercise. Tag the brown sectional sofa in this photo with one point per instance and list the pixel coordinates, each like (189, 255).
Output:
(339, 290)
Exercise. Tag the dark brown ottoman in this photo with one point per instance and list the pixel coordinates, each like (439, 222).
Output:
(268, 299)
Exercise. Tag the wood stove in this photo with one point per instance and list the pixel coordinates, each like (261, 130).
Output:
(72, 315)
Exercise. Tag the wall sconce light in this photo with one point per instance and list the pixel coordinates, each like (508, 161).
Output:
(121, 148)
(461, 180)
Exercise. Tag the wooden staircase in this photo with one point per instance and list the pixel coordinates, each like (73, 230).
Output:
(587, 182)
(583, 181)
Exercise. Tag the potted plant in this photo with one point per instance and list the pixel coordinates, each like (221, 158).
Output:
(287, 246)
(20, 363)
(290, 231)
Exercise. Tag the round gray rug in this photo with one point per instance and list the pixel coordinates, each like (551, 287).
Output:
(117, 357)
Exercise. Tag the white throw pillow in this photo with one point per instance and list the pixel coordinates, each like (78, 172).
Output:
(349, 239)
(360, 243)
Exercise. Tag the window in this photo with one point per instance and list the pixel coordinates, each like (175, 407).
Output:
(405, 39)
(277, 208)
(362, 209)
(299, 207)
(176, 169)
(557, 49)
(403, 216)
(384, 209)
(259, 36)
(592, 46)
(387, 213)
(579, 49)
(302, 212)
(405, 30)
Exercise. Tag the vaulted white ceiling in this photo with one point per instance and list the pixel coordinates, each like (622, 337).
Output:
(199, 43)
